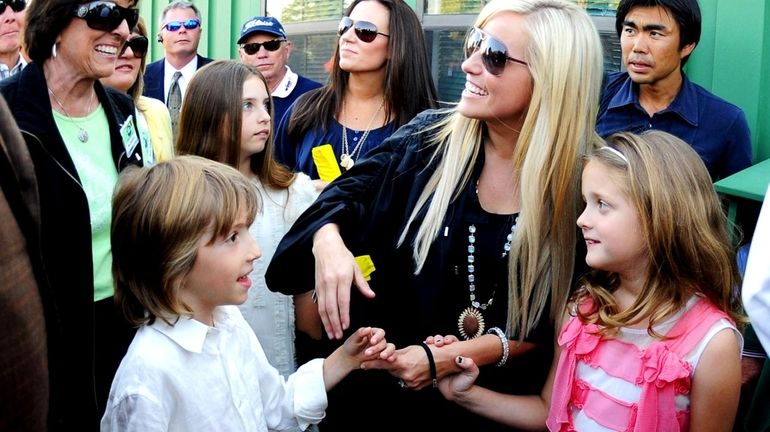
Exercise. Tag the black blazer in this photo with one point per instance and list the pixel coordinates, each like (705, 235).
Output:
(153, 77)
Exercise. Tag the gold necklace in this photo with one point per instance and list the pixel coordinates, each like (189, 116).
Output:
(347, 159)
(82, 134)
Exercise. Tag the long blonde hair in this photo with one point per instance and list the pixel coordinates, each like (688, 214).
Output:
(565, 61)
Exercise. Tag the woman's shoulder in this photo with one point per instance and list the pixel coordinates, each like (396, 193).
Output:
(148, 104)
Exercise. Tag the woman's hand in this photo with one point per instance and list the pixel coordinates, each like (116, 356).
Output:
(335, 271)
(454, 386)
(412, 367)
(440, 341)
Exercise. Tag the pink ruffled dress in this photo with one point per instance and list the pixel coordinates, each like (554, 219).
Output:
(613, 384)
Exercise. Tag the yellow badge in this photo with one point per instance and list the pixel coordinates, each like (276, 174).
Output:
(326, 163)
(367, 266)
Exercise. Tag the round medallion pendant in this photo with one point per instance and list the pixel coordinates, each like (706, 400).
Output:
(346, 161)
(470, 323)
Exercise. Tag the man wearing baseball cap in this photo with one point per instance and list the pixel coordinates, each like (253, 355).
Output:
(263, 44)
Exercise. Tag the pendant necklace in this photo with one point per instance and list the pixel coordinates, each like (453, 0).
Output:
(347, 159)
(82, 134)
(471, 321)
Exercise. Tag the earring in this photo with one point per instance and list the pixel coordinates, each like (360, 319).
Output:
(53, 50)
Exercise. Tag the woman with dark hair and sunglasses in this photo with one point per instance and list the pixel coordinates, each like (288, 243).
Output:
(80, 135)
(380, 80)
(468, 216)
(152, 115)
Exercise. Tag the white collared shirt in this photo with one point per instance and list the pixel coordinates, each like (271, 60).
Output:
(192, 377)
(6, 72)
(286, 85)
(187, 70)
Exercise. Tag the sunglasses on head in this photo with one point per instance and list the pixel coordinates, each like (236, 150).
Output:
(106, 16)
(494, 54)
(271, 45)
(138, 45)
(365, 30)
(189, 24)
(15, 5)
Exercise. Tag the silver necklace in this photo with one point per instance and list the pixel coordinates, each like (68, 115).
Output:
(347, 159)
(470, 323)
(82, 134)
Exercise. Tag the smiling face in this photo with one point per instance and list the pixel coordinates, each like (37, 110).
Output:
(504, 98)
(255, 123)
(649, 41)
(127, 69)
(11, 24)
(220, 274)
(183, 42)
(358, 56)
(610, 223)
(91, 53)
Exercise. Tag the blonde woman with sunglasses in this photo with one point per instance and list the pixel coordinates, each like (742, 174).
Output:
(467, 216)
(80, 135)
(380, 80)
(153, 120)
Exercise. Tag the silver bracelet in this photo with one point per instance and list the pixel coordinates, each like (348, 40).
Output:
(503, 341)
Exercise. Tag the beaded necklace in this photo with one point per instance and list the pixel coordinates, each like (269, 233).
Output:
(470, 323)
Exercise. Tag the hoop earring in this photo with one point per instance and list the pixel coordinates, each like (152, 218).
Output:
(53, 50)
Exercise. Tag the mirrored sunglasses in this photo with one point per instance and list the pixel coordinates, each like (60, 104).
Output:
(138, 45)
(15, 5)
(494, 54)
(190, 24)
(271, 45)
(365, 30)
(106, 16)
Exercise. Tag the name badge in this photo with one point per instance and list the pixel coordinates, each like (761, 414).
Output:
(129, 136)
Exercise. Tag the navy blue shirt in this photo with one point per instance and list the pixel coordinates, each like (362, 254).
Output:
(715, 128)
(282, 103)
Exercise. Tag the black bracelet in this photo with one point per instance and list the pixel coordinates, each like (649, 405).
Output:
(431, 364)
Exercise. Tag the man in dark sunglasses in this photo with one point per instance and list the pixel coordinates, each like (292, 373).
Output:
(179, 32)
(11, 25)
(263, 44)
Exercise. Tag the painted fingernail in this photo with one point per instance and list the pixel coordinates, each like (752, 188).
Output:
(459, 359)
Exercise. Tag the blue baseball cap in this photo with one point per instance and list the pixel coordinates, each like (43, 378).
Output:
(261, 24)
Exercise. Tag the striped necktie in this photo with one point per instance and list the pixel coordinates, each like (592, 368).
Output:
(174, 100)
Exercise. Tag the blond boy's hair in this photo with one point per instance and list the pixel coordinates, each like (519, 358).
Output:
(159, 217)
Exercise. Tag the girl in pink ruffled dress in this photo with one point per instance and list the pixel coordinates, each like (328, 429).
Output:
(650, 341)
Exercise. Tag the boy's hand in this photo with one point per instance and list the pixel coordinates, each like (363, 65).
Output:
(440, 341)
(368, 343)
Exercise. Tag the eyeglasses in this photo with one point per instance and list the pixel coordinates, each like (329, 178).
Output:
(15, 5)
(190, 24)
(271, 45)
(365, 30)
(106, 16)
(138, 46)
(494, 54)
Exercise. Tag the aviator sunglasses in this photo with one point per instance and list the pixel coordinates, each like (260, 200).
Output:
(271, 45)
(365, 30)
(190, 24)
(494, 54)
(106, 16)
(15, 5)
(138, 46)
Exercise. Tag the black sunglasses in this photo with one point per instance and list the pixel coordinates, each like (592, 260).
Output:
(138, 46)
(494, 54)
(189, 24)
(365, 30)
(15, 5)
(106, 16)
(271, 45)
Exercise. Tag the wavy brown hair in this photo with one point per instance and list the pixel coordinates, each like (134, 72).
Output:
(685, 230)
